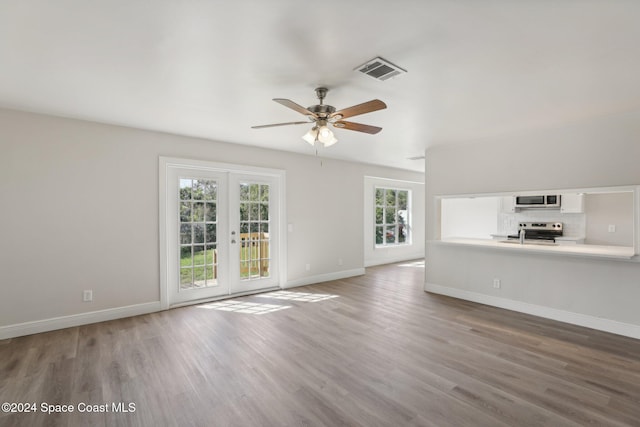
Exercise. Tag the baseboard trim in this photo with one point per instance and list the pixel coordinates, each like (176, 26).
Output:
(52, 324)
(601, 324)
(46, 325)
(319, 278)
(393, 259)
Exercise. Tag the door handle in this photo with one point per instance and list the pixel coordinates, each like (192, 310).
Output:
(233, 241)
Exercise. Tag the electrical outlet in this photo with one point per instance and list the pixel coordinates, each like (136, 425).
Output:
(496, 283)
(307, 267)
(87, 296)
(612, 228)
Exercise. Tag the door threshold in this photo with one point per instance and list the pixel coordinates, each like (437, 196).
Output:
(223, 297)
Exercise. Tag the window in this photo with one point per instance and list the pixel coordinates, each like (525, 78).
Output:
(198, 226)
(254, 231)
(392, 212)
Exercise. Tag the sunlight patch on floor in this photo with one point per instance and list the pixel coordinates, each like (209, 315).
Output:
(418, 264)
(244, 307)
(297, 296)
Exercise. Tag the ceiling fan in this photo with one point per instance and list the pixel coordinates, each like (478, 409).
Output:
(322, 115)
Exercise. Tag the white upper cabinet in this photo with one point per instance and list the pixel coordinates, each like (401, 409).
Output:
(508, 204)
(572, 203)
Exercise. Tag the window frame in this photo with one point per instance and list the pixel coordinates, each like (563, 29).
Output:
(396, 223)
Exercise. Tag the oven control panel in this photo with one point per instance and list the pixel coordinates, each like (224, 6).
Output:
(550, 226)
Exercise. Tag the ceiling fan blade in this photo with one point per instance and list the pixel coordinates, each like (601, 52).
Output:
(357, 126)
(366, 107)
(296, 107)
(280, 124)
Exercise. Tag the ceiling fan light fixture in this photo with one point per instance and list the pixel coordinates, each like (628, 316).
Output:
(325, 136)
(312, 136)
(330, 141)
(324, 132)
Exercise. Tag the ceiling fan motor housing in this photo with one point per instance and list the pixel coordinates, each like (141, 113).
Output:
(322, 110)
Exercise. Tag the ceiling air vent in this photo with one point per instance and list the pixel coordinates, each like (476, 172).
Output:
(380, 69)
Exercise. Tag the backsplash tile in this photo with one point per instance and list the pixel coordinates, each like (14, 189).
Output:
(574, 224)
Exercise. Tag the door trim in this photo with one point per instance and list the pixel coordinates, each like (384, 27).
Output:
(173, 162)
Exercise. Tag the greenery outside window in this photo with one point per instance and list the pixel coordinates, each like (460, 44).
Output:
(198, 233)
(392, 210)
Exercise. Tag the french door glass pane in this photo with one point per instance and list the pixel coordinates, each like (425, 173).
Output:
(198, 233)
(254, 231)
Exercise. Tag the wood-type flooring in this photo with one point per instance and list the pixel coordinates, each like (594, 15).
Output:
(378, 352)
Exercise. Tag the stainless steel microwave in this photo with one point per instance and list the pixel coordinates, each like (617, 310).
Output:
(546, 201)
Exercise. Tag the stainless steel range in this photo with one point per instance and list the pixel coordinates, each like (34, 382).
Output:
(538, 231)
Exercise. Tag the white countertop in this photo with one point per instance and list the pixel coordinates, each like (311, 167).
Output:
(617, 252)
(569, 238)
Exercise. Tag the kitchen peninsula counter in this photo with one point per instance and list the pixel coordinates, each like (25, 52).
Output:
(580, 250)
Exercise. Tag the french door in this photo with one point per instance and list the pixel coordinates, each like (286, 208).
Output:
(222, 231)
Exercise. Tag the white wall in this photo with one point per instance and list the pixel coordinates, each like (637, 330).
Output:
(595, 292)
(385, 255)
(469, 217)
(605, 209)
(80, 211)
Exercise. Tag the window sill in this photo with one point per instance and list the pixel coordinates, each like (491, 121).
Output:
(398, 245)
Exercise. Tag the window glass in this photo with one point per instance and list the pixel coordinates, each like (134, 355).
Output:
(198, 226)
(392, 215)
(254, 231)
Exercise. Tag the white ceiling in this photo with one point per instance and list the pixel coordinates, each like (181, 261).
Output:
(476, 69)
